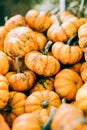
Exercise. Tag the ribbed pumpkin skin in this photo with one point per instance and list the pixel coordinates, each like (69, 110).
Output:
(3, 124)
(43, 84)
(81, 98)
(45, 65)
(14, 22)
(83, 71)
(82, 34)
(66, 83)
(66, 54)
(27, 121)
(65, 31)
(2, 37)
(67, 117)
(22, 81)
(4, 91)
(4, 63)
(19, 41)
(39, 21)
(16, 103)
(40, 102)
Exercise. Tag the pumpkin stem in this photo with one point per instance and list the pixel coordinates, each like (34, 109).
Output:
(59, 19)
(46, 49)
(81, 7)
(69, 42)
(63, 100)
(6, 18)
(17, 65)
(44, 103)
(7, 109)
(47, 124)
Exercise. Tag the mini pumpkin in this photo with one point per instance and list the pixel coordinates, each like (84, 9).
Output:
(40, 102)
(38, 20)
(68, 117)
(66, 83)
(41, 39)
(15, 106)
(82, 32)
(22, 81)
(67, 54)
(4, 63)
(4, 91)
(81, 98)
(19, 41)
(63, 32)
(83, 71)
(15, 21)
(27, 121)
(2, 37)
(45, 65)
(44, 83)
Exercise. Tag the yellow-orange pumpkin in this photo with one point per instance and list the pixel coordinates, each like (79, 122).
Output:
(19, 41)
(68, 117)
(4, 63)
(40, 102)
(38, 20)
(4, 91)
(81, 97)
(66, 54)
(63, 32)
(66, 83)
(45, 65)
(15, 106)
(22, 81)
(15, 21)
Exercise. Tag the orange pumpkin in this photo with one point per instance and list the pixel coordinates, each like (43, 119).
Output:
(2, 37)
(82, 32)
(4, 91)
(83, 71)
(63, 32)
(45, 83)
(67, 117)
(66, 83)
(15, 21)
(66, 54)
(15, 106)
(4, 63)
(19, 41)
(81, 97)
(38, 20)
(3, 123)
(65, 15)
(41, 39)
(76, 67)
(40, 102)
(22, 81)
(27, 121)
(45, 65)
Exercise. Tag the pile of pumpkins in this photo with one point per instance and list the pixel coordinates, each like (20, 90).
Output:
(43, 72)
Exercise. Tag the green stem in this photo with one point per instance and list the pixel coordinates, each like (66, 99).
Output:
(46, 49)
(17, 65)
(81, 5)
(7, 109)
(59, 19)
(71, 38)
(47, 124)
